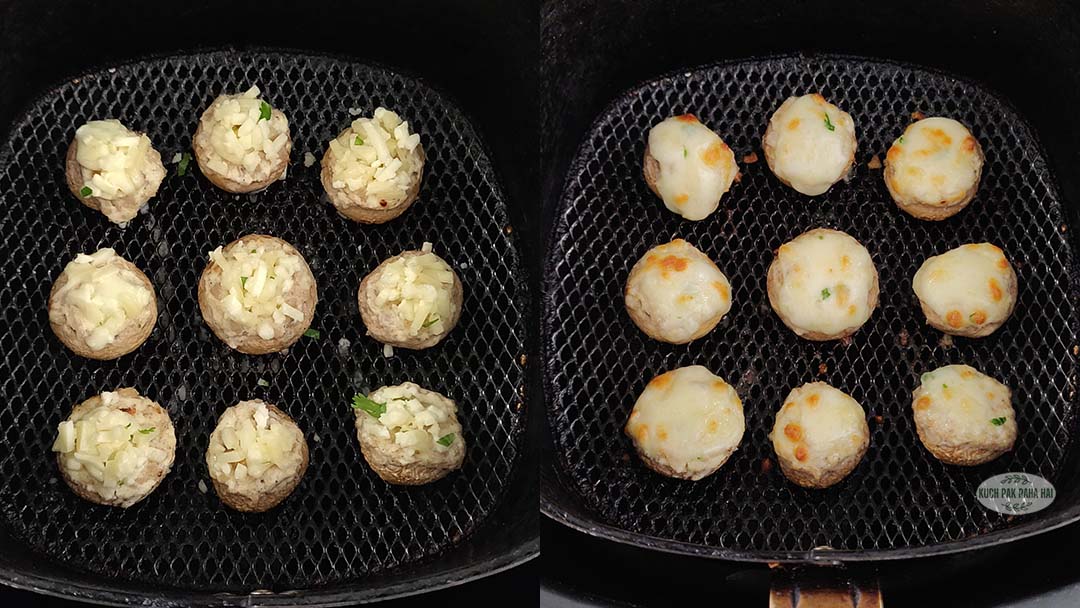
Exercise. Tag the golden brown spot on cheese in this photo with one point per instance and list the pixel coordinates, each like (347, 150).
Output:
(968, 144)
(922, 403)
(721, 289)
(990, 396)
(967, 373)
(995, 290)
(719, 385)
(938, 179)
(938, 139)
(845, 262)
(794, 124)
(682, 198)
(661, 381)
(842, 294)
(713, 154)
(661, 433)
(684, 298)
(668, 263)
(634, 414)
(641, 433)
(978, 317)
(851, 310)
(686, 118)
(813, 399)
(954, 319)
(893, 153)
(788, 404)
(801, 453)
(712, 425)
(818, 98)
(793, 432)
(1003, 263)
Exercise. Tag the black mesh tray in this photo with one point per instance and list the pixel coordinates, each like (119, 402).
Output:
(342, 523)
(597, 362)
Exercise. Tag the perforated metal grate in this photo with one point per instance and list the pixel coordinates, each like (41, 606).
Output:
(342, 522)
(597, 362)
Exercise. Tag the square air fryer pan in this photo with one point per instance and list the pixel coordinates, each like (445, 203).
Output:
(899, 502)
(343, 535)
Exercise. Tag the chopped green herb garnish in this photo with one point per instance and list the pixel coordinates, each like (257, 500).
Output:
(828, 123)
(312, 333)
(264, 111)
(148, 431)
(243, 282)
(185, 160)
(446, 440)
(433, 320)
(820, 237)
(997, 421)
(254, 250)
(375, 409)
(825, 293)
(901, 140)
(128, 426)
(359, 141)
(684, 152)
(86, 191)
(928, 376)
(945, 386)
(262, 382)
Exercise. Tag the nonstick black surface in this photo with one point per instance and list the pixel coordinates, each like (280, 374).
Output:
(342, 522)
(597, 361)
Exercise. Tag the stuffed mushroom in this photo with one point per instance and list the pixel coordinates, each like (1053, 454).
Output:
(810, 144)
(372, 171)
(115, 448)
(113, 169)
(968, 291)
(411, 300)
(932, 171)
(409, 435)
(257, 294)
(256, 456)
(820, 435)
(102, 306)
(688, 166)
(242, 144)
(963, 416)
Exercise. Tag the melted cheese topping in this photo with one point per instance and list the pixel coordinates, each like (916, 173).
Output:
(680, 289)
(696, 166)
(819, 428)
(971, 285)
(810, 143)
(935, 162)
(114, 156)
(101, 297)
(107, 448)
(825, 282)
(250, 446)
(413, 425)
(377, 156)
(956, 405)
(256, 279)
(688, 420)
(417, 288)
(240, 137)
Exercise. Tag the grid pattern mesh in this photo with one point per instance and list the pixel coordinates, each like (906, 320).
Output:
(597, 362)
(342, 522)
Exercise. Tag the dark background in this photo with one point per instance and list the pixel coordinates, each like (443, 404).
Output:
(483, 54)
(1027, 51)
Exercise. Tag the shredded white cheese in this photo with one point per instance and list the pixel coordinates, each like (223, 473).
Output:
(239, 135)
(100, 298)
(377, 156)
(202, 487)
(309, 159)
(418, 289)
(249, 444)
(411, 424)
(256, 279)
(387, 351)
(114, 155)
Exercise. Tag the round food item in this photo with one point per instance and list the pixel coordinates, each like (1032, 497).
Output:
(686, 423)
(968, 291)
(819, 436)
(112, 169)
(823, 284)
(373, 169)
(257, 294)
(256, 457)
(102, 306)
(688, 166)
(115, 448)
(242, 144)
(409, 435)
(810, 144)
(963, 416)
(933, 169)
(676, 294)
(411, 300)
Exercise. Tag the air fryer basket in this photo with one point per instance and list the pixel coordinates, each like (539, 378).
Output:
(342, 524)
(597, 361)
